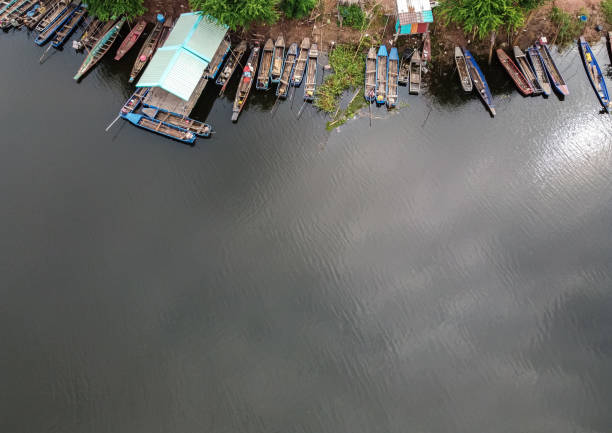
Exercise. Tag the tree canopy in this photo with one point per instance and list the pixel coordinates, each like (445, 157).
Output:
(483, 16)
(238, 13)
(297, 8)
(106, 9)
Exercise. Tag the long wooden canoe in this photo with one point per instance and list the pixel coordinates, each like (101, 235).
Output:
(404, 70)
(147, 50)
(51, 15)
(265, 64)
(14, 17)
(278, 60)
(130, 39)
(415, 73)
(539, 70)
(594, 74)
(101, 48)
(246, 83)
(523, 65)
(44, 36)
(230, 66)
(69, 27)
(393, 75)
(382, 73)
(33, 17)
(311, 74)
(199, 128)
(285, 80)
(162, 128)
(522, 83)
(462, 70)
(369, 91)
(10, 9)
(300, 63)
(551, 68)
(479, 81)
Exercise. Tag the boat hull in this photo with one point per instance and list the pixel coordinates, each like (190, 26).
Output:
(594, 74)
(479, 81)
(161, 128)
(553, 72)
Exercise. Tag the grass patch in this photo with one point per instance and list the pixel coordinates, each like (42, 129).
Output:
(348, 72)
(569, 27)
(606, 7)
(356, 104)
(352, 16)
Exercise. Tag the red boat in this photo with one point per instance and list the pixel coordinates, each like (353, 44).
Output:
(515, 73)
(131, 39)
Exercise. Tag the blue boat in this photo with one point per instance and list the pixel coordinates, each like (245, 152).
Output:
(67, 29)
(282, 90)
(479, 81)
(199, 128)
(278, 60)
(539, 69)
(594, 73)
(551, 68)
(382, 74)
(48, 32)
(393, 81)
(162, 128)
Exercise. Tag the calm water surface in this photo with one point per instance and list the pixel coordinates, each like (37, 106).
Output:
(441, 271)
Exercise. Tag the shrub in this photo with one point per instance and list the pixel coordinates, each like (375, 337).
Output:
(238, 13)
(482, 16)
(606, 7)
(570, 27)
(352, 16)
(298, 8)
(106, 9)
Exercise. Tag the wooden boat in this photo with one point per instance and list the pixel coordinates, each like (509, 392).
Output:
(301, 63)
(34, 15)
(404, 69)
(278, 60)
(594, 73)
(230, 65)
(147, 50)
(162, 128)
(69, 27)
(415, 73)
(130, 39)
(382, 74)
(479, 81)
(246, 82)
(610, 45)
(539, 70)
(51, 15)
(166, 28)
(551, 68)
(44, 36)
(522, 83)
(285, 80)
(311, 73)
(523, 65)
(462, 70)
(135, 100)
(426, 54)
(11, 8)
(212, 69)
(14, 17)
(263, 76)
(99, 49)
(393, 75)
(369, 91)
(5, 6)
(195, 126)
(93, 31)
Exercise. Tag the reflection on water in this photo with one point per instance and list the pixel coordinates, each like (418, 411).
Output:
(440, 271)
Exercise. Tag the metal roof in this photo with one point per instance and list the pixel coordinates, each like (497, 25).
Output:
(414, 11)
(178, 65)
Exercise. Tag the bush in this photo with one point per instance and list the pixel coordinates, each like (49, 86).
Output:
(349, 68)
(352, 16)
(298, 8)
(570, 26)
(482, 16)
(606, 7)
(238, 13)
(106, 9)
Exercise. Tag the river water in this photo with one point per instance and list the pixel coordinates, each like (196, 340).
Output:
(440, 271)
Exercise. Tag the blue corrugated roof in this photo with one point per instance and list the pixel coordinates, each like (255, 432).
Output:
(178, 65)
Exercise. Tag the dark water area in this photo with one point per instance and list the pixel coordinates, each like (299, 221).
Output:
(440, 271)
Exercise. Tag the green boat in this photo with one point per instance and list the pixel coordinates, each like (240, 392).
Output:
(99, 49)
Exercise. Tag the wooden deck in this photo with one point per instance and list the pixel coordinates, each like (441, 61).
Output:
(160, 98)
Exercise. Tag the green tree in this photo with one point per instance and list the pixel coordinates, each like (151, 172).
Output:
(482, 17)
(298, 8)
(606, 7)
(106, 9)
(238, 13)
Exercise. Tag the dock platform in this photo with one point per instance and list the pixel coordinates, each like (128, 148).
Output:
(160, 98)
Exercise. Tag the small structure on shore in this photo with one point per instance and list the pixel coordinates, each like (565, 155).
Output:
(413, 17)
(179, 64)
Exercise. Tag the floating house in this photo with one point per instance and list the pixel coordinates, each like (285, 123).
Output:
(178, 65)
(413, 17)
